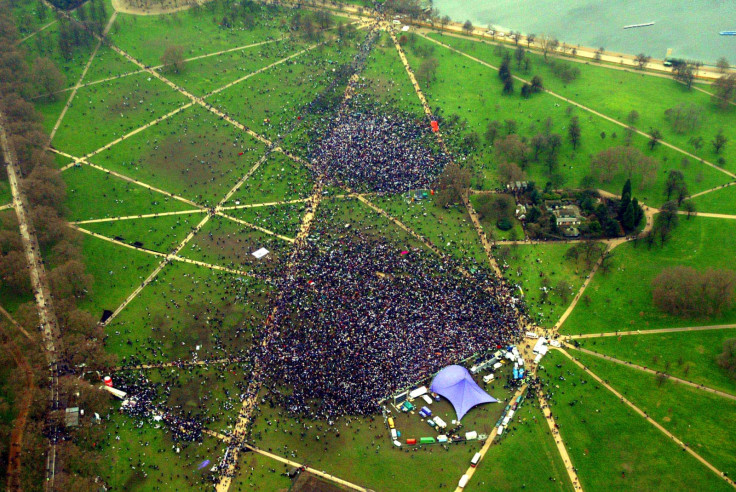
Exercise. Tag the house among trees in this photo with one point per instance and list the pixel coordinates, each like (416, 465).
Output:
(568, 218)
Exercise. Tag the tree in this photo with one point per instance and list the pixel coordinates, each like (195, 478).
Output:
(684, 73)
(492, 131)
(687, 292)
(526, 91)
(727, 359)
(508, 86)
(468, 27)
(504, 71)
(685, 117)
(47, 77)
(598, 54)
(537, 84)
(452, 185)
(654, 137)
(722, 64)
(173, 59)
(519, 54)
(633, 116)
(675, 185)
(427, 70)
(444, 20)
(642, 60)
(516, 36)
(724, 91)
(549, 43)
(512, 149)
(689, 207)
(719, 141)
(530, 38)
(510, 172)
(574, 132)
(631, 162)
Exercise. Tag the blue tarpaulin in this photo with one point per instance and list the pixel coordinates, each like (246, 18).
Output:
(457, 385)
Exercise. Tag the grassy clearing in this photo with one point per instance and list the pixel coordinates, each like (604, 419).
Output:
(694, 416)
(117, 271)
(622, 298)
(281, 219)
(195, 30)
(617, 92)
(107, 63)
(110, 110)
(229, 244)
(278, 179)
(450, 229)
(527, 456)
(160, 234)
(534, 266)
(686, 355)
(270, 103)
(259, 472)
(207, 74)
(612, 447)
(142, 457)
(6, 195)
(721, 201)
(187, 306)
(481, 102)
(94, 194)
(192, 154)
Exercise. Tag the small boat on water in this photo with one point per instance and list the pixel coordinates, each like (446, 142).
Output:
(645, 24)
(727, 33)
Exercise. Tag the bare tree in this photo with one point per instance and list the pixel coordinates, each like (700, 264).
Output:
(47, 77)
(468, 27)
(173, 59)
(549, 44)
(642, 60)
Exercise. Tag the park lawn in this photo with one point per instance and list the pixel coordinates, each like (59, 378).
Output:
(531, 265)
(187, 306)
(721, 201)
(50, 110)
(208, 393)
(95, 194)
(258, 472)
(229, 244)
(449, 229)
(281, 219)
(143, 457)
(107, 63)
(110, 110)
(616, 93)
(490, 227)
(30, 16)
(204, 75)
(386, 81)
(60, 161)
(611, 446)
(525, 457)
(160, 234)
(481, 102)
(360, 450)
(696, 417)
(686, 355)
(193, 154)
(117, 271)
(622, 298)
(270, 102)
(277, 179)
(197, 31)
(6, 195)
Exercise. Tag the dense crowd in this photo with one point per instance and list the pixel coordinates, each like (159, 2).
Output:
(379, 151)
(362, 319)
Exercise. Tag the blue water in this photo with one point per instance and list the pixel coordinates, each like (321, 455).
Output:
(689, 27)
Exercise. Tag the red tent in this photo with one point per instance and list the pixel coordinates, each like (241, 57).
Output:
(435, 126)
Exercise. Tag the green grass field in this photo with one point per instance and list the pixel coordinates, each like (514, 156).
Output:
(160, 234)
(612, 447)
(622, 298)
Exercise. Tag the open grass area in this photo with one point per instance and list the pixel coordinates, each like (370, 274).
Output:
(281, 219)
(116, 270)
(110, 110)
(160, 234)
(696, 417)
(526, 457)
(534, 267)
(260, 472)
(721, 201)
(482, 101)
(622, 298)
(230, 244)
(278, 179)
(193, 154)
(686, 355)
(94, 194)
(31, 16)
(107, 63)
(450, 229)
(611, 446)
(187, 306)
(616, 93)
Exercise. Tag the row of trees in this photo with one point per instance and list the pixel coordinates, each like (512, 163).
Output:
(688, 292)
(70, 283)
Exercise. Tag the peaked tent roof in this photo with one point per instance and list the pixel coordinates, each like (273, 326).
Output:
(457, 385)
